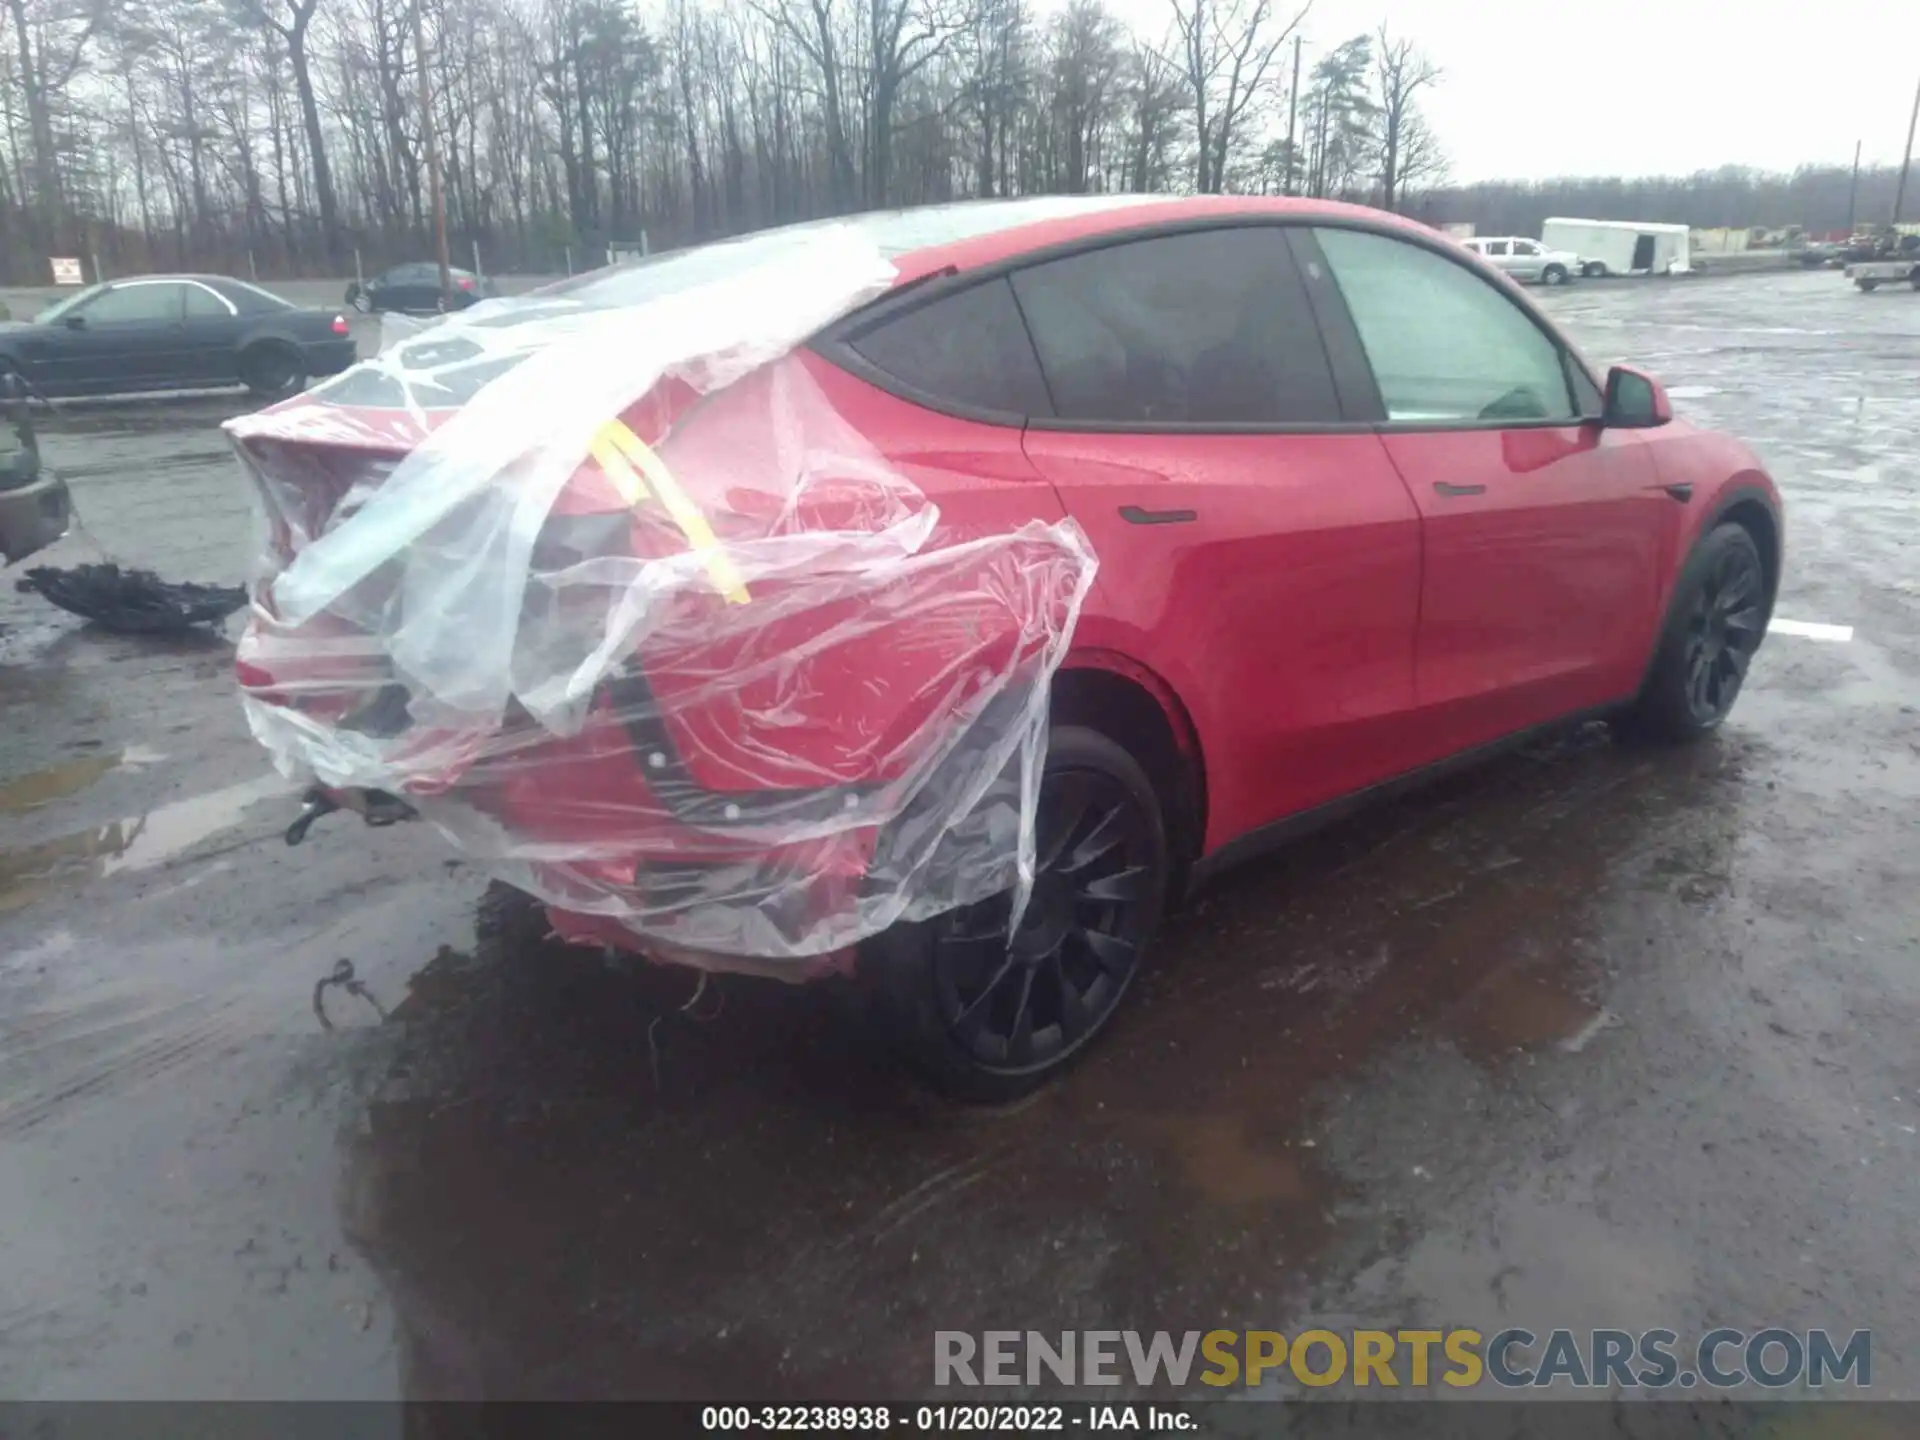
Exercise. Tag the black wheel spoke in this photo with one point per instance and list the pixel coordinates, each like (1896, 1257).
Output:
(1020, 1038)
(1699, 675)
(976, 1005)
(1065, 814)
(1074, 1016)
(1745, 621)
(1115, 955)
(1108, 832)
(1121, 887)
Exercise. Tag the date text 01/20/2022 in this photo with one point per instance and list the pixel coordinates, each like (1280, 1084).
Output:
(936, 1419)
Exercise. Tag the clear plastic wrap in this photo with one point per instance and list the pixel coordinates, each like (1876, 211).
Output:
(599, 583)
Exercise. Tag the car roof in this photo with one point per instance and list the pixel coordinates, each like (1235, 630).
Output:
(962, 235)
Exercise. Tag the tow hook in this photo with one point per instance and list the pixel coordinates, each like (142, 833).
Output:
(315, 803)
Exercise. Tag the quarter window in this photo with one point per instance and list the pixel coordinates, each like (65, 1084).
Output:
(129, 303)
(1206, 328)
(970, 348)
(1444, 344)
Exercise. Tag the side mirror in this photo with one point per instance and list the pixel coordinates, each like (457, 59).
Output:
(1635, 401)
(76, 322)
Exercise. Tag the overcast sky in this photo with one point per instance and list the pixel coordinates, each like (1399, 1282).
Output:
(1535, 88)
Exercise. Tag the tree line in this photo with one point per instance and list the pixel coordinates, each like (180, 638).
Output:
(1817, 198)
(282, 137)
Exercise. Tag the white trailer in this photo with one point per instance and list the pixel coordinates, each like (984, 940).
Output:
(1622, 247)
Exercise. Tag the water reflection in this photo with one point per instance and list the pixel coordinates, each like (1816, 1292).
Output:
(782, 1215)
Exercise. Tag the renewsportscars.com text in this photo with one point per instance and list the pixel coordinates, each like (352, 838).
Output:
(1720, 1359)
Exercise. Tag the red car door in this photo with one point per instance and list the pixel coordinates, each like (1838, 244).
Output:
(1544, 534)
(1256, 551)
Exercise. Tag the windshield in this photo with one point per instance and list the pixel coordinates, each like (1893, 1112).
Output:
(72, 302)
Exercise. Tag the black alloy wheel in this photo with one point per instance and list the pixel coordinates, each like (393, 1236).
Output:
(1723, 631)
(1715, 624)
(988, 1014)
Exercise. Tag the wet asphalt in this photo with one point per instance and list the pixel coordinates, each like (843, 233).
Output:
(1593, 1036)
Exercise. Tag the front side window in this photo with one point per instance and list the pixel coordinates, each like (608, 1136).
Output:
(1525, 247)
(132, 303)
(1210, 327)
(1445, 345)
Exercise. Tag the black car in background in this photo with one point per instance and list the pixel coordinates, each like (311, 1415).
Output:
(415, 289)
(175, 332)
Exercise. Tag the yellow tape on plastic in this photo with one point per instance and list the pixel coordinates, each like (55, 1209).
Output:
(621, 453)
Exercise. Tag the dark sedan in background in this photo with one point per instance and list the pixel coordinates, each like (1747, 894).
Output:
(415, 289)
(175, 332)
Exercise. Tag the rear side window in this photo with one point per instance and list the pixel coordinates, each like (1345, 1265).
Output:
(969, 349)
(204, 305)
(1210, 327)
(1445, 345)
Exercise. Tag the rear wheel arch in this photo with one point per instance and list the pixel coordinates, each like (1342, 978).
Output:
(1136, 709)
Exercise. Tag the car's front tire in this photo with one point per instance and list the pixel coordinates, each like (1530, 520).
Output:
(987, 1017)
(1554, 275)
(1714, 624)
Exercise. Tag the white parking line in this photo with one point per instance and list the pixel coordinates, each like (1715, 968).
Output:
(1810, 629)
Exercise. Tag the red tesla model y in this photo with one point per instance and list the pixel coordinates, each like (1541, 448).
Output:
(1360, 511)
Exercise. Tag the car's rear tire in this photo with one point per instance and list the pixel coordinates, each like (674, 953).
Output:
(1554, 275)
(271, 369)
(986, 1018)
(1714, 624)
(1868, 286)
(1594, 270)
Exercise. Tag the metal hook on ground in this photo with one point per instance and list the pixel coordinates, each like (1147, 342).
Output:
(653, 1026)
(343, 976)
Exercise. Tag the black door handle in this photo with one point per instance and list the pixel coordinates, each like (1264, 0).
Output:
(1441, 487)
(1683, 492)
(1134, 515)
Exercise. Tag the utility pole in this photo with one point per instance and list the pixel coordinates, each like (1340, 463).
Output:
(1906, 160)
(1293, 111)
(1853, 188)
(433, 156)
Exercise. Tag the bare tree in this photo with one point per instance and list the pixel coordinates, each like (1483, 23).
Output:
(1401, 72)
(292, 21)
(1227, 48)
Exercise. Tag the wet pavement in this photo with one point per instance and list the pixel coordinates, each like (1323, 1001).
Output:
(1594, 1036)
